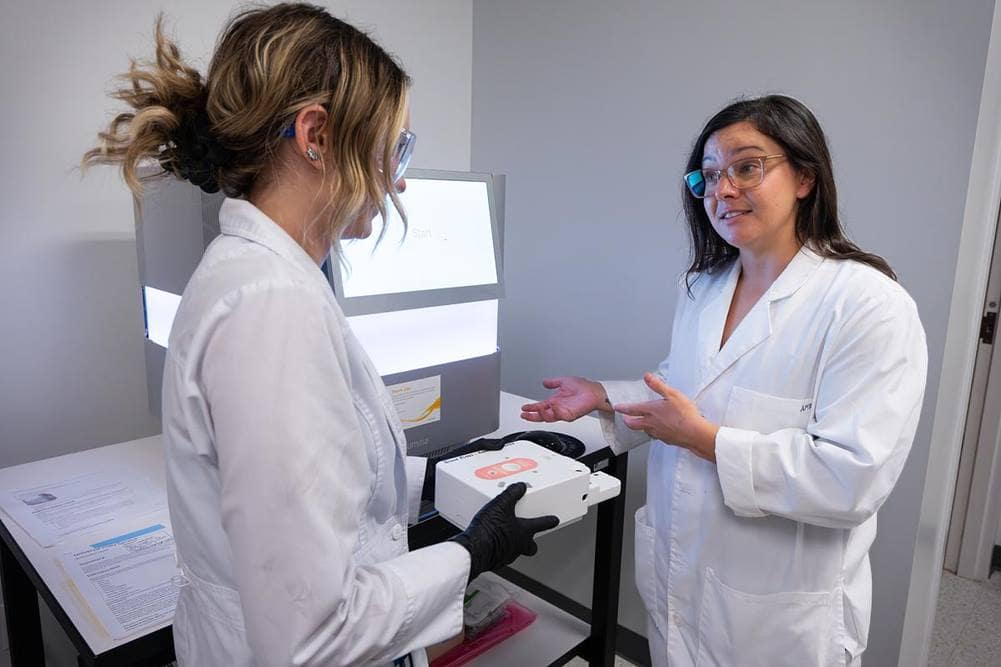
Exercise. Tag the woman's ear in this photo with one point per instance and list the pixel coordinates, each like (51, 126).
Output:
(311, 140)
(806, 182)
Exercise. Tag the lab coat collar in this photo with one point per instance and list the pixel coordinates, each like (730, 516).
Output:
(756, 325)
(239, 217)
(795, 275)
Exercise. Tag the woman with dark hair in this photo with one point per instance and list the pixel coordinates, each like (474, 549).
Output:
(288, 478)
(781, 418)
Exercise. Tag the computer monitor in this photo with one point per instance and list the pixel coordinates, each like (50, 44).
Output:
(425, 305)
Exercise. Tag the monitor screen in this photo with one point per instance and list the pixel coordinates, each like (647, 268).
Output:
(449, 243)
(425, 305)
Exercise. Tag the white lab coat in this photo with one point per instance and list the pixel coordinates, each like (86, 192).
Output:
(287, 473)
(762, 559)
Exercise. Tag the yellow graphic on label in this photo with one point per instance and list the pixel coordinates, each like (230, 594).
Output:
(417, 402)
(428, 411)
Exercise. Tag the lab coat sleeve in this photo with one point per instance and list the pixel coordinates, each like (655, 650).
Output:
(416, 468)
(839, 470)
(621, 438)
(295, 483)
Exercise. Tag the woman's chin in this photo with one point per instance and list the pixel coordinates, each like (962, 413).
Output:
(358, 231)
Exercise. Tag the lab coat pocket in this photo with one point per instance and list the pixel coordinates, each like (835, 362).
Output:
(794, 629)
(208, 624)
(646, 575)
(765, 413)
(214, 601)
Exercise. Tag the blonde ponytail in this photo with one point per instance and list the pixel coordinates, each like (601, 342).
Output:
(168, 122)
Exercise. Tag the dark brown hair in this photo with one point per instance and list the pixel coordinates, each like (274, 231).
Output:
(793, 126)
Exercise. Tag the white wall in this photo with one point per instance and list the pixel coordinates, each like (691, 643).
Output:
(590, 109)
(71, 351)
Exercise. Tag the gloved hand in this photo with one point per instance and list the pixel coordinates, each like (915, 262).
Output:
(496, 537)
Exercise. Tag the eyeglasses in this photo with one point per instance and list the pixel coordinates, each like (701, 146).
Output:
(401, 154)
(743, 174)
(404, 151)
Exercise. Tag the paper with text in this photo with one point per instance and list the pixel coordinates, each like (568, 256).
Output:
(52, 511)
(130, 581)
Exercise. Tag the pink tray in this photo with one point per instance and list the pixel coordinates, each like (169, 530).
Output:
(515, 619)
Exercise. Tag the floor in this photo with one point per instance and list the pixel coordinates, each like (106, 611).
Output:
(967, 623)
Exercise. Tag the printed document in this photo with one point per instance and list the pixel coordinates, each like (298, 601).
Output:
(53, 511)
(130, 581)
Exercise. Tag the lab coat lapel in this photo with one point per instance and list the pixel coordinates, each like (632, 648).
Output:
(752, 330)
(756, 326)
(711, 320)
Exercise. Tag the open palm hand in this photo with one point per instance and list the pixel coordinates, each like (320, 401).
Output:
(572, 398)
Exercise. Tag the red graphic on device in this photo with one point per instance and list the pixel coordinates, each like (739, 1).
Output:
(506, 468)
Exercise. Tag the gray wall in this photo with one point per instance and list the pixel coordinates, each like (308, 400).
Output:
(590, 108)
(71, 348)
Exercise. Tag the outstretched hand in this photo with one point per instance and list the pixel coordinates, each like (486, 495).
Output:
(673, 419)
(572, 398)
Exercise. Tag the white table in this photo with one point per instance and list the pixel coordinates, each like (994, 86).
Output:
(27, 566)
(554, 637)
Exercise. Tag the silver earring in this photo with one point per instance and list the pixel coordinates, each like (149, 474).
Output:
(312, 154)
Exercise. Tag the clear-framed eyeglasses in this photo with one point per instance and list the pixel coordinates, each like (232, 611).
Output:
(743, 174)
(404, 151)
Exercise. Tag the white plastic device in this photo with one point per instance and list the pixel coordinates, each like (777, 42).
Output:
(557, 484)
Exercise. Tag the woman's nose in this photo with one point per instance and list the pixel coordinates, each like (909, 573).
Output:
(725, 189)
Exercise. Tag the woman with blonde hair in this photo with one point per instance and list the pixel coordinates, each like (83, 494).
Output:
(287, 476)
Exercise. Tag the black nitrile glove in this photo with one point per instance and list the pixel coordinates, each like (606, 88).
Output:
(496, 537)
(427, 490)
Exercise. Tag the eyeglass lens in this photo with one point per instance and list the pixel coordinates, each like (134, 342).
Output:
(743, 174)
(404, 151)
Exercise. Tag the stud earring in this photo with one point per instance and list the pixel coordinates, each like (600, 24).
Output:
(312, 154)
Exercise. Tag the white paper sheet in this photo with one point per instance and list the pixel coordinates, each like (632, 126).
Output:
(53, 511)
(130, 581)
